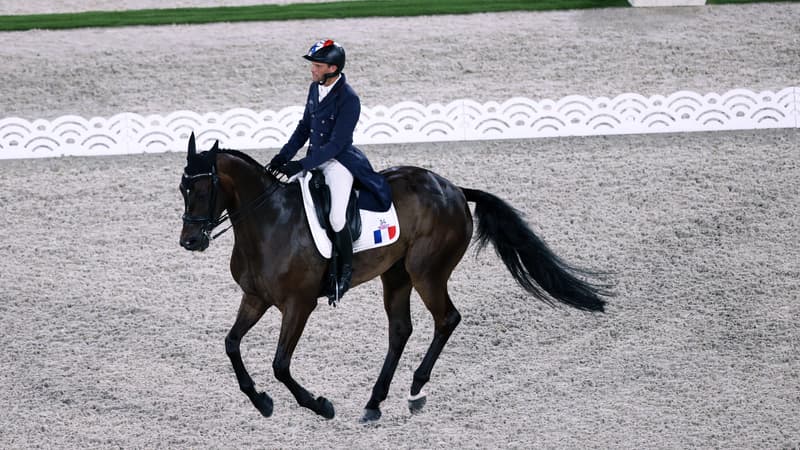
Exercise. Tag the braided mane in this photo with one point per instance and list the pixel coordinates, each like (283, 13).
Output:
(202, 162)
(242, 155)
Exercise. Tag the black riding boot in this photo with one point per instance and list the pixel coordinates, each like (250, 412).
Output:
(333, 276)
(343, 243)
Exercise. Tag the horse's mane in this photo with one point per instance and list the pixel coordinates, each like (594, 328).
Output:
(242, 155)
(275, 176)
(204, 160)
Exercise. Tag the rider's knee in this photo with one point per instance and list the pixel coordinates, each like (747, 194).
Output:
(338, 221)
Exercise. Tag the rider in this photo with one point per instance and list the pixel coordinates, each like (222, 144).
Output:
(331, 114)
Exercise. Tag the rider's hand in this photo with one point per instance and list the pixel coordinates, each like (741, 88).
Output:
(291, 168)
(278, 161)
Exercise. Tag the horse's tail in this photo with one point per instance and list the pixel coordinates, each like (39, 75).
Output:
(532, 264)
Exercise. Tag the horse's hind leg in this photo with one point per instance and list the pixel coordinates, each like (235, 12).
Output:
(396, 294)
(250, 311)
(445, 316)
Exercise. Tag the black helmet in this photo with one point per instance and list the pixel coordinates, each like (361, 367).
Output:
(328, 52)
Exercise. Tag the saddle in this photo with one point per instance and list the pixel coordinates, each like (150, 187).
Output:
(321, 195)
(369, 229)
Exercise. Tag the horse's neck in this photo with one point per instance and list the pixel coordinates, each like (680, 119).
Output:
(257, 200)
(244, 181)
(254, 193)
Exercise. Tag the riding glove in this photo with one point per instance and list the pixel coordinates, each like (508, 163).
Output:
(291, 168)
(278, 161)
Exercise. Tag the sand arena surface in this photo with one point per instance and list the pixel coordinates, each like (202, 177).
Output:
(112, 335)
(485, 57)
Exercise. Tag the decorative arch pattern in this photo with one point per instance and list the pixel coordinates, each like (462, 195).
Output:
(465, 119)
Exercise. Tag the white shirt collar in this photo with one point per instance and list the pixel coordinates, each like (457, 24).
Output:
(324, 90)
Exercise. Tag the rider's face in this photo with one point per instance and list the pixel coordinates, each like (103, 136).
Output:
(319, 70)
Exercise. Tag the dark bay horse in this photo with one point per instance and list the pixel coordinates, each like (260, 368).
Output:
(276, 263)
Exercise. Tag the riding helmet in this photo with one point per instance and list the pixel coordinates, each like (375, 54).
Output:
(327, 51)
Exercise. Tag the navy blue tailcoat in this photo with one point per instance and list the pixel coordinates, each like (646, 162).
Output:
(328, 127)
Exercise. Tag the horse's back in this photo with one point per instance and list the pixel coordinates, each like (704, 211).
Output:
(429, 189)
(429, 207)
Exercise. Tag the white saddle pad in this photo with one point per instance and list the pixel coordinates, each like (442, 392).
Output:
(377, 228)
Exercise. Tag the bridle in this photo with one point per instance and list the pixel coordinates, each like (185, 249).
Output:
(208, 222)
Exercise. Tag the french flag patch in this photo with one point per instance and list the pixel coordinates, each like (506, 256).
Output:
(385, 232)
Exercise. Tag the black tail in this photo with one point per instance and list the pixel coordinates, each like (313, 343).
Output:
(535, 267)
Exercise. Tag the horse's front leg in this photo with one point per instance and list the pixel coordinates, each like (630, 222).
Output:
(295, 316)
(250, 311)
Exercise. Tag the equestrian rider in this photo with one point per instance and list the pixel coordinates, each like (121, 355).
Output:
(330, 116)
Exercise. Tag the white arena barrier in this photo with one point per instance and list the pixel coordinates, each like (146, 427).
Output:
(515, 118)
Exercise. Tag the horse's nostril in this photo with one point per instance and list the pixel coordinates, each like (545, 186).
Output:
(194, 243)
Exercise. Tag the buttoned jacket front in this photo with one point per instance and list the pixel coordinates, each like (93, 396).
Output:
(328, 128)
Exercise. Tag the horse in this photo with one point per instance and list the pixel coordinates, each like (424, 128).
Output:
(275, 261)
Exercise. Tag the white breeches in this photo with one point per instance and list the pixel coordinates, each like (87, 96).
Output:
(340, 182)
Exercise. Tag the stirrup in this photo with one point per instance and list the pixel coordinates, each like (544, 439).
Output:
(334, 297)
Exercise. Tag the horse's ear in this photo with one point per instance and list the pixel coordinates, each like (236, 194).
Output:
(192, 147)
(216, 146)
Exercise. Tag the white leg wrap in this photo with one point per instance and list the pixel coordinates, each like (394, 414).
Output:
(421, 394)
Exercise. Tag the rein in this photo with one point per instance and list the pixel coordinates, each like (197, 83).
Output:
(208, 224)
(234, 218)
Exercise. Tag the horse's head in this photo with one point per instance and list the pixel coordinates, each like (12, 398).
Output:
(203, 205)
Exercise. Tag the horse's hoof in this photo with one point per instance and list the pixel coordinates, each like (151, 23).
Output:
(370, 416)
(325, 408)
(417, 402)
(263, 403)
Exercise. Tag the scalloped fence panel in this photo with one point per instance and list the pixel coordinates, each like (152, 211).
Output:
(515, 118)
